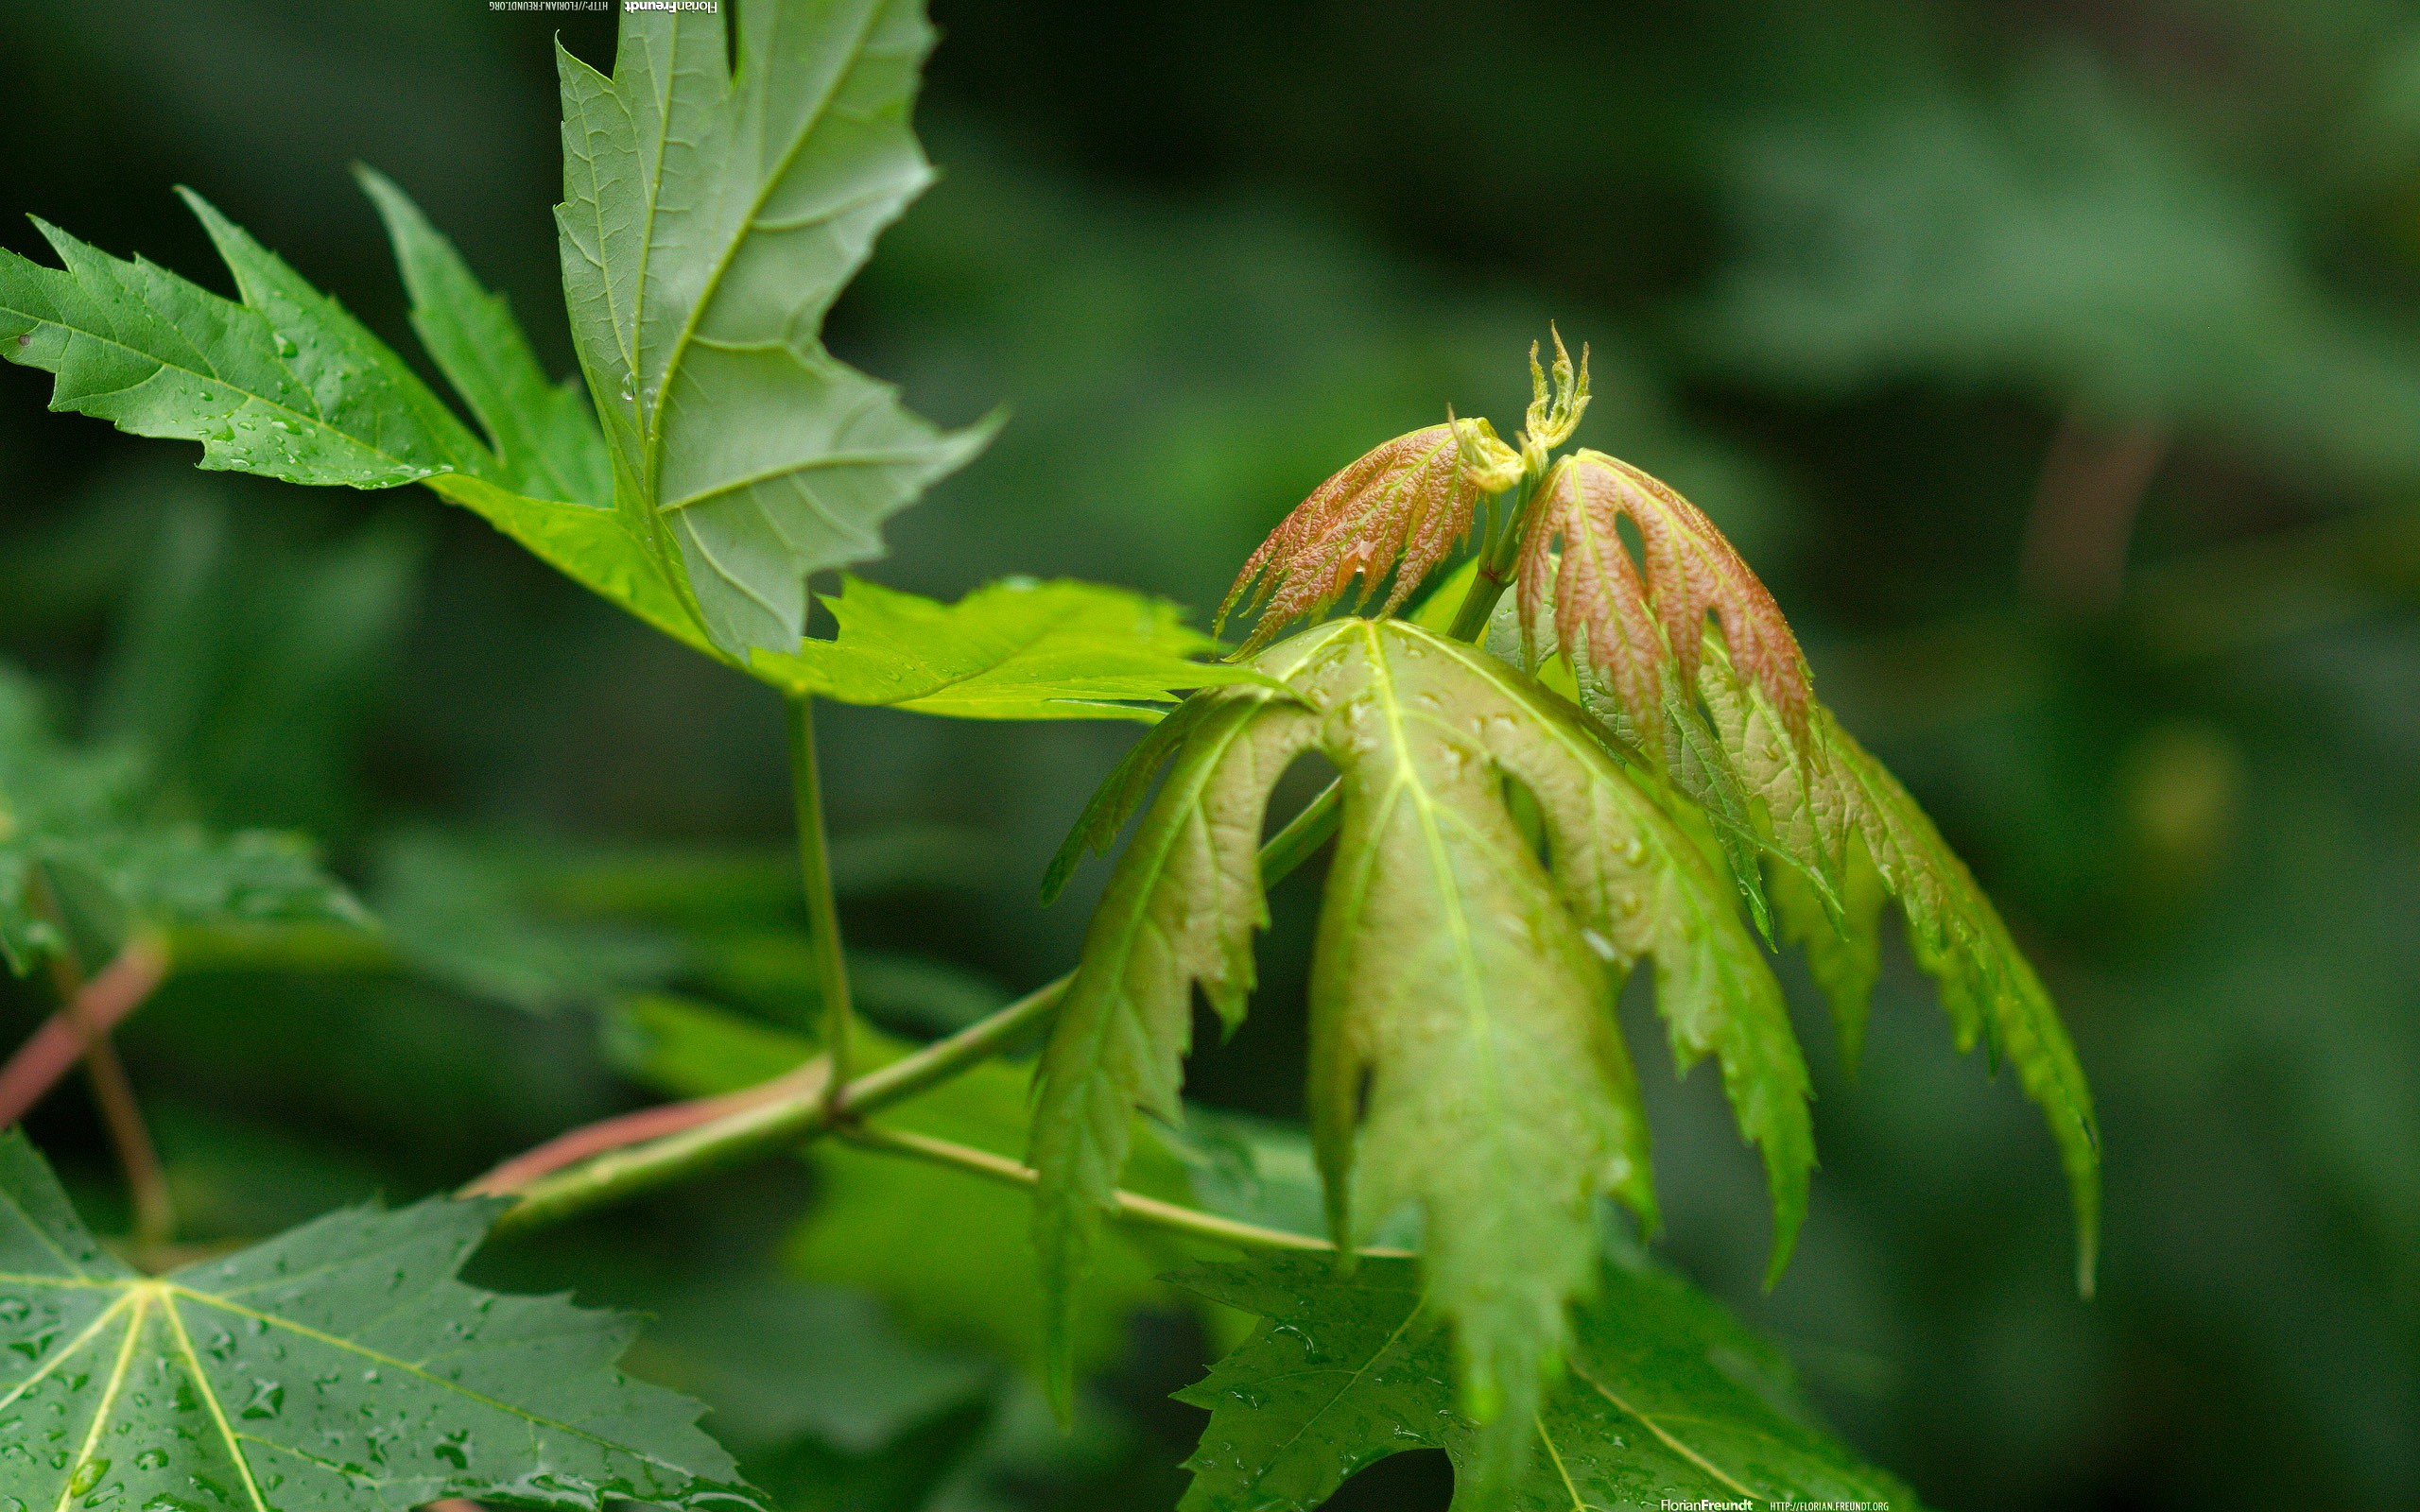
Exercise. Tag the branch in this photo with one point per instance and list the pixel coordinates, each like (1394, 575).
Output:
(815, 873)
(96, 1007)
(786, 1116)
(790, 1115)
(1129, 1206)
(665, 1119)
(2084, 507)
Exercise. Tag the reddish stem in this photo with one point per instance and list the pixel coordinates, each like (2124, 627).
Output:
(2091, 491)
(96, 1007)
(638, 1127)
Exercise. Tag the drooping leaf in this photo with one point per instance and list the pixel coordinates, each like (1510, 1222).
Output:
(1668, 1402)
(1398, 510)
(75, 842)
(1688, 644)
(716, 201)
(1464, 1056)
(339, 1368)
(1018, 649)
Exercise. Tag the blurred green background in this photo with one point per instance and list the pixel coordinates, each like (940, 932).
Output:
(2058, 364)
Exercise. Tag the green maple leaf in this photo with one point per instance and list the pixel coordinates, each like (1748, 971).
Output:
(339, 1368)
(1669, 1398)
(711, 213)
(74, 841)
(1018, 649)
(1464, 1056)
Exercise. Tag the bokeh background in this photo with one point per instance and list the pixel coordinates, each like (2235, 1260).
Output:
(2058, 364)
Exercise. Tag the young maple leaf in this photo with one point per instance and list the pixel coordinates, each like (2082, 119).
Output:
(1400, 507)
(1641, 621)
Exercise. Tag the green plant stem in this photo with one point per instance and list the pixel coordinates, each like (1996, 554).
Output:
(771, 1126)
(785, 1121)
(822, 914)
(1495, 568)
(1130, 1206)
(1303, 834)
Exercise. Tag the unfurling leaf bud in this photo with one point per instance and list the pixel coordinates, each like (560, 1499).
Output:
(1401, 508)
(1551, 422)
(1641, 624)
(1487, 462)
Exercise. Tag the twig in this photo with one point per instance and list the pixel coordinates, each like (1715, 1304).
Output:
(1131, 1207)
(655, 1123)
(96, 1007)
(2085, 506)
(822, 912)
(787, 1118)
(155, 1214)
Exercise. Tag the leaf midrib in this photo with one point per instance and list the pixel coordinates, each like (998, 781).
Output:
(652, 433)
(140, 1290)
(1476, 1015)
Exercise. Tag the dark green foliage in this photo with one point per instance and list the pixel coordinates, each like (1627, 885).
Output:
(1669, 1398)
(81, 862)
(338, 1367)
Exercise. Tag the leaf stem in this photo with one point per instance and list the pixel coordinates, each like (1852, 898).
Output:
(801, 1113)
(47, 1053)
(1131, 1207)
(155, 1213)
(822, 914)
(1303, 834)
(793, 1114)
(1495, 567)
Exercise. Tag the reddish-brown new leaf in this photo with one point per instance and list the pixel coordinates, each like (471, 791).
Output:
(1642, 619)
(1401, 508)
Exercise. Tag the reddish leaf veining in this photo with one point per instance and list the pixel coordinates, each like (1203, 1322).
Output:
(1642, 619)
(1402, 508)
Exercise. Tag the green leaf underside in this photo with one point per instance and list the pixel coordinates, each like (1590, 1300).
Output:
(1669, 1398)
(1836, 836)
(710, 217)
(1464, 1055)
(876, 1214)
(340, 1367)
(1017, 649)
(71, 826)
